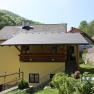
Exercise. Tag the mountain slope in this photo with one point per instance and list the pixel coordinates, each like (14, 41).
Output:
(9, 18)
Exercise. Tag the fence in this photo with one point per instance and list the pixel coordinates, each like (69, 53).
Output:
(10, 80)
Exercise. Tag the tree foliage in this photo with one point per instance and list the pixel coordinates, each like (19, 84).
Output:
(87, 27)
(8, 18)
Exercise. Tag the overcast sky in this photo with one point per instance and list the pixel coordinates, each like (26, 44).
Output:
(52, 11)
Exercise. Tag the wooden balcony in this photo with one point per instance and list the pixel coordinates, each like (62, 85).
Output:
(42, 57)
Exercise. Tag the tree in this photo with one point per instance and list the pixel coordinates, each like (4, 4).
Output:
(91, 28)
(8, 18)
(5, 20)
(87, 27)
(84, 26)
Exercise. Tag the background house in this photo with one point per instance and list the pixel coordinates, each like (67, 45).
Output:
(88, 55)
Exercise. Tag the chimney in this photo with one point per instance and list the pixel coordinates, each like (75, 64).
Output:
(65, 27)
(26, 24)
(72, 28)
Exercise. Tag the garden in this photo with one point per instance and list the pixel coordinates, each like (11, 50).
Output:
(62, 84)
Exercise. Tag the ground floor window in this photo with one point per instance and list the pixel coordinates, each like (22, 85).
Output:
(33, 78)
(51, 75)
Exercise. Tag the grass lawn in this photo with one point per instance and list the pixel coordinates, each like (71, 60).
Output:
(44, 91)
(48, 91)
(87, 68)
(17, 92)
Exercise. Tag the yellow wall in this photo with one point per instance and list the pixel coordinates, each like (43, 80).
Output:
(43, 68)
(9, 61)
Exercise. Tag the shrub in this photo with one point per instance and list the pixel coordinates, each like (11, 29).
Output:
(87, 83)
(64, 83)
(23, 85)
(70, 85)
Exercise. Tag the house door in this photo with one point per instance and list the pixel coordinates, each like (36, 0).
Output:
(70, 65)
(1, 88)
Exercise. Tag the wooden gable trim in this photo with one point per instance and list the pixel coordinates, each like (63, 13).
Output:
(17, 47)
(87, 36)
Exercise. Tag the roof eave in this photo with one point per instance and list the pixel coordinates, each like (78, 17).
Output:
(46, 44)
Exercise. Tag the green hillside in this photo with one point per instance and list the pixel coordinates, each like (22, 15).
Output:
(8, 18)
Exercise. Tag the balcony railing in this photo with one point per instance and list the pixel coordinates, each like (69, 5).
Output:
(42, 57)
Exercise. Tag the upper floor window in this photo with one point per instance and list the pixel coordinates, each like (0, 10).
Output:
(25, 49)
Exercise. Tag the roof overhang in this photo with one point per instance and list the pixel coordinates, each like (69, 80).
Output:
(47, 38)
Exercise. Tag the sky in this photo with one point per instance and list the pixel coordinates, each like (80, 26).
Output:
(71, 12)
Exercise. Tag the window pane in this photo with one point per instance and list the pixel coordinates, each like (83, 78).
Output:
(37, 78)
(34, 78)
(31, 78)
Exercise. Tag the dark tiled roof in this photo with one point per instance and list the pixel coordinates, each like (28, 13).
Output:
(86, 36)
(1, 41)
(10, 31)
(75, 30)
(46, 38)
(46, 34)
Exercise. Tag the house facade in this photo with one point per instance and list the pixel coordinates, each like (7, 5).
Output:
(8, 54)
(46, 49)
(9, 60)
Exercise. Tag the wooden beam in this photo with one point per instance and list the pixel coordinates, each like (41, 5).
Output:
(87, 36)
(77, 53)
(18, 48)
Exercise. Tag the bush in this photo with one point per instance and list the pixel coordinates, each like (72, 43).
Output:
(70, 85)
(87, 83)
(23, 85)
(64, 83)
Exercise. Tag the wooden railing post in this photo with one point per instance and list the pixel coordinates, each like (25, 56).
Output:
(19, 73)
(22, 75)
(4, 81)
(77, 51)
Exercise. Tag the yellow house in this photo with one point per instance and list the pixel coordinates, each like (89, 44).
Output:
(44, 50)
(9, 60)
(8, 54)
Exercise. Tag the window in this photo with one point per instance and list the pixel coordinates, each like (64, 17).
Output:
(25, 49)
(54, 49)
(33, 78)
(51, 75)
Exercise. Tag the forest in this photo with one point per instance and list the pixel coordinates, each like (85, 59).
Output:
(8, 18)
